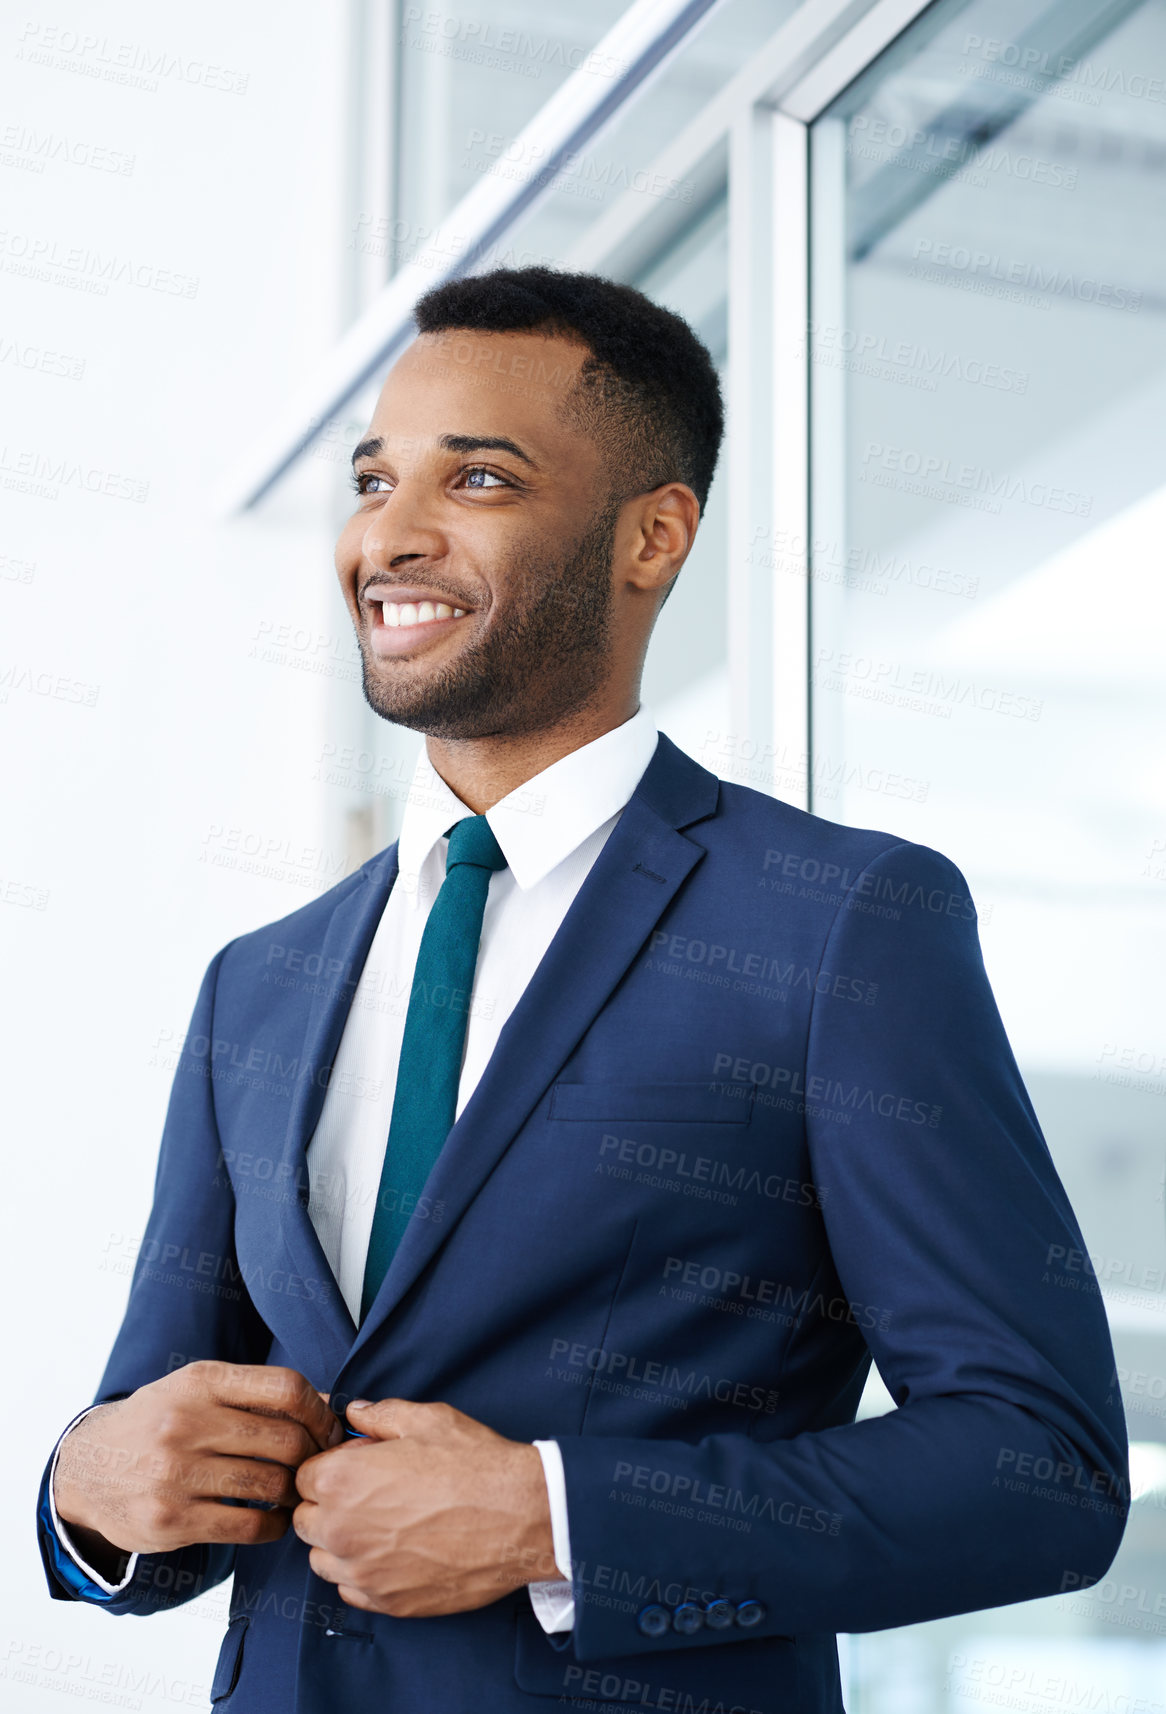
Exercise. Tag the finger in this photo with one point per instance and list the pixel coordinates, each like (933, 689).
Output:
(306, 1521)
(338, 1434)
(238, 1433)
(207, 1521)
(240, 1479)
(327, 1566)
(353, 1597)
(388, 1419)
(266, 1389)
(308, 1476)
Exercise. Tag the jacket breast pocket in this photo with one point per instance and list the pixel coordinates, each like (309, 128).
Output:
(705, 1103)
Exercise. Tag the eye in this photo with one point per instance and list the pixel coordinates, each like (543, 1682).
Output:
(477, 476)
(361, 483)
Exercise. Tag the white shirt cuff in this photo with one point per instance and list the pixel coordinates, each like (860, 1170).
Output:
(554, 1603)
(63, 1534)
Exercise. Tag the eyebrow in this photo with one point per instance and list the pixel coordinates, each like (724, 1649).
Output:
(483, 443)
(453, 443)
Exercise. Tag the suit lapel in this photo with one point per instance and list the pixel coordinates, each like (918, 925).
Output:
(346, 945)
(634, 879)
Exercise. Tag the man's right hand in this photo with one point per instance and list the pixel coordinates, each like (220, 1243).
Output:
(149, 1473)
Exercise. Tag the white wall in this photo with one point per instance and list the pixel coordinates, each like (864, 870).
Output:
(143, 732)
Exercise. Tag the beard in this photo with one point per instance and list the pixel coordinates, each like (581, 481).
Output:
(544, 656)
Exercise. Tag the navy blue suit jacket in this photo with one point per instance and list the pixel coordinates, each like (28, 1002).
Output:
(754, 1121)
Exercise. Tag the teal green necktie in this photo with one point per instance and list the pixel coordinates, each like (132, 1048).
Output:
(425, 1100)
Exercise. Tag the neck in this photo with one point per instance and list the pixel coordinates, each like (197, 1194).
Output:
(483, 770)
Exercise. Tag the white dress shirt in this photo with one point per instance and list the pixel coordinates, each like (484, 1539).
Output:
(551, 830)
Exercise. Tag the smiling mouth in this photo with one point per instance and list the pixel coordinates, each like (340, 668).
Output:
(401, 627)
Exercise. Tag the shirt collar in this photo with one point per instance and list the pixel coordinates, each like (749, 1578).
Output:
(544, 820)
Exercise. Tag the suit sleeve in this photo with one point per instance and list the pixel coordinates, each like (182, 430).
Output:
(187, 1302)
(1002, 1474)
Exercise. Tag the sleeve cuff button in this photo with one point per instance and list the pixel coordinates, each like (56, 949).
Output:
(653, 1621)
(749, 1614)
(687, 1618)
(718, 1615)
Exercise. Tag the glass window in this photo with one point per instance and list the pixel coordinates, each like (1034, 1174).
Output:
(473, 76)
(988, 347)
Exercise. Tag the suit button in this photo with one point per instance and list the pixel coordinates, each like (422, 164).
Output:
(654, 1621)
(749, 1613)
(687, 1618)
(718, 1615)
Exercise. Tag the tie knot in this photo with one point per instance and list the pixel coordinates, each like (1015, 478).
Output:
(471, 841)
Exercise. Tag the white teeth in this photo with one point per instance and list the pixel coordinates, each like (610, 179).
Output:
(397, 613)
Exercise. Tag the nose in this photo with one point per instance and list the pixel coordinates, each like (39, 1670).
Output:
(403, 530)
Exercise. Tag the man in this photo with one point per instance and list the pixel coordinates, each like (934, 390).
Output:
(556, 1386)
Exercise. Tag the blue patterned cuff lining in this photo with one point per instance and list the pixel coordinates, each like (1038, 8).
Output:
(64, 1565)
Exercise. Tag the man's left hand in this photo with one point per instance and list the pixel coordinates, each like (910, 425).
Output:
(433, 1513)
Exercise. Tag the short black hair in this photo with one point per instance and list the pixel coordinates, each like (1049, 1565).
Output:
(648, 391)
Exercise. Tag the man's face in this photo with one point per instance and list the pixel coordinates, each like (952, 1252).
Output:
(477, 564)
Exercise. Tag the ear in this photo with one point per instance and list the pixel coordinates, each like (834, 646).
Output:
(662, 526)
